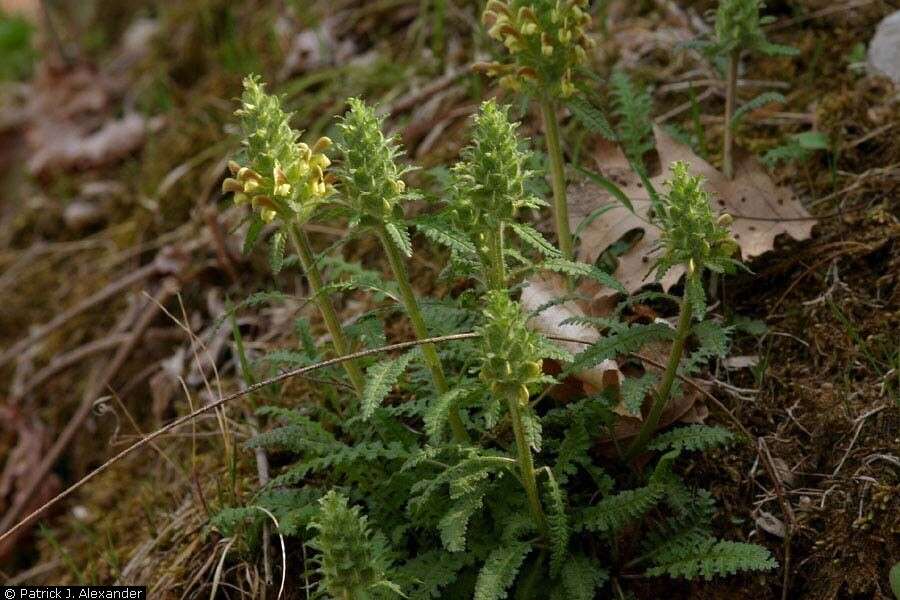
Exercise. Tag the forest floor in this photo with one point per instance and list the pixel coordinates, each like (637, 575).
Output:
(118, 260)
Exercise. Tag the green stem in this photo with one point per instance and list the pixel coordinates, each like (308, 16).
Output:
(398, 266)
(496, 273)
(557, 178)
(341, 347)
(665, 387)
(526, 463)
(730, 100)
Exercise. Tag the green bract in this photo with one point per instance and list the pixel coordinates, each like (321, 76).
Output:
(369, 175)
(352, 563)
(738, 27)
(547, 41)
(691, 234)
(489, 183)
(280, 176)
(510, 351)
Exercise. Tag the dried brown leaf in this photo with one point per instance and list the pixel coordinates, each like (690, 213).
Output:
(762, 211)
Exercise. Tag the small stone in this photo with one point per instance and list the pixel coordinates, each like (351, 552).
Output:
(80, 214)
(884, 50)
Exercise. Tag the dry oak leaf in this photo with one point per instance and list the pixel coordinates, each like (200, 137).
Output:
(762, 211)
(543, 290)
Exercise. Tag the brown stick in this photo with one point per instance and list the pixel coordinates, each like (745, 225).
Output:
(281, 377)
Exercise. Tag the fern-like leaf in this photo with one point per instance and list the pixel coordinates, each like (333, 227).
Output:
(692, 437)
(380, 379)
(635, 389)
(558, 523)
(438, 412)
(400, 237)
(578, 269)
(614, 512)
(581, 576)
(533, 238)
(500, 570)
(630, 340)
(591, 117)
(708, 557)
(755, 104)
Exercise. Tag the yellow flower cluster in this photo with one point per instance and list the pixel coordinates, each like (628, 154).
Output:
(290, 190)
(546, 38)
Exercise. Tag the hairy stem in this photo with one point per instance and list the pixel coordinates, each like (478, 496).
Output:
(730, 100)
(496, 272)
(526, 463)
(557, 178)
(665, 386)
(429, 352)
(341, 347)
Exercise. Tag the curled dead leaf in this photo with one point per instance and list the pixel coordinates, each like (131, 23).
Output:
(546, 289)
(762, 211)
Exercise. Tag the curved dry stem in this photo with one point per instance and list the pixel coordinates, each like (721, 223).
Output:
(296, 373)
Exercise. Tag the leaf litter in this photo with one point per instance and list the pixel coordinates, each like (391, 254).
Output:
(762, 211)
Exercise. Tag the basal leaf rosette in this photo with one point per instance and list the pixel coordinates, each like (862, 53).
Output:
(280, 176)
(369, 176)
(547, 41)
(510, 351)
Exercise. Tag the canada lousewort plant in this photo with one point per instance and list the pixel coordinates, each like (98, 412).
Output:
(352, 563)
(284, 179)
(739, 28)
(510, 363)
(371, 184)
(488, 189)
(692, 236)
(547, 42)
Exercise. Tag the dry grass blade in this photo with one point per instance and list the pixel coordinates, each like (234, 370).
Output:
(294, 373)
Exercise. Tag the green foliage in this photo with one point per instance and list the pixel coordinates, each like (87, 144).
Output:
(692, 437)
(895, 580)
(581, 577)
(510, 351)
(558, 522)
(16, 51)
(380, 379)
(739, 27)
(370, 179)
(353, 563)
(547, 42)
(488, 184)
(691, 234)
(514, 512)
(798, 148)
(708, 557)
(632, 107)
(500, 570)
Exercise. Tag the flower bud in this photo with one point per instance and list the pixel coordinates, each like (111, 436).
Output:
(232, 186)
(321, 145)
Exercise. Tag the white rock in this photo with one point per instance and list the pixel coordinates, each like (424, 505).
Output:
(884, 50)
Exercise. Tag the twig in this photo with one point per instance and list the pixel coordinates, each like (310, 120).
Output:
(786, 511)
(860, 421)
(287, 375)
